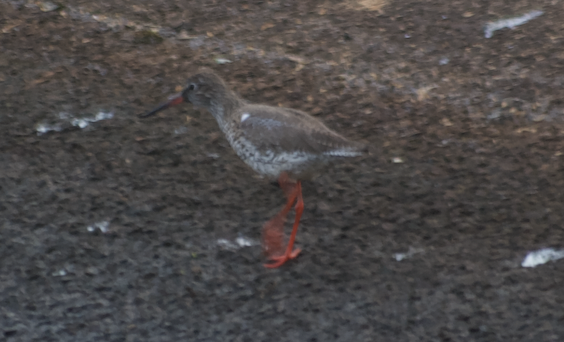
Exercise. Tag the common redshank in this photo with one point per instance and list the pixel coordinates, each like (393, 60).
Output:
(281, 144)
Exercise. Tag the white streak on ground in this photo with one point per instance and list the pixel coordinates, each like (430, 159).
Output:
(65, 118)
(511, 23)
(102, 225)
(542, 256)
(83, 122)
(240, 242)
(411, 252)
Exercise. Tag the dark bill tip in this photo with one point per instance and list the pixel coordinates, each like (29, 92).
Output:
(173, 102)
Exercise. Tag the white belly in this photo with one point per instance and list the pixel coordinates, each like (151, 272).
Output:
(269, 163)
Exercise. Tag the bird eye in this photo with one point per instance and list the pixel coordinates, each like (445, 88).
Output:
(192, 86)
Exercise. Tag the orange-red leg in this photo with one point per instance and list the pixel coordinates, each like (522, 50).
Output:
(273, 230)
(290, 252)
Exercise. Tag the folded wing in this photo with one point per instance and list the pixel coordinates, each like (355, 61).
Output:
(289, 130)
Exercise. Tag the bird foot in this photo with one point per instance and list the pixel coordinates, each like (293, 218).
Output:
(280, 260)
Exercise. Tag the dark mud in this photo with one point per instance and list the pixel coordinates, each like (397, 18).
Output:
(475, 126)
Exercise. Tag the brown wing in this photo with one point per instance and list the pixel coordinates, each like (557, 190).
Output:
(289, 130)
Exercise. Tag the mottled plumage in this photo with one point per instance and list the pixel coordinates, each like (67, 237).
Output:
(271, 140)
(278, 143)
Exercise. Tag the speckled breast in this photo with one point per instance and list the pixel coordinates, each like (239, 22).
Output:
(270, 163)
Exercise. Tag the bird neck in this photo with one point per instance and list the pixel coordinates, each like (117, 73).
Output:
(223, 106)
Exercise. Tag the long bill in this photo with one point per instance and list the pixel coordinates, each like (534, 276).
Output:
(172, 102)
